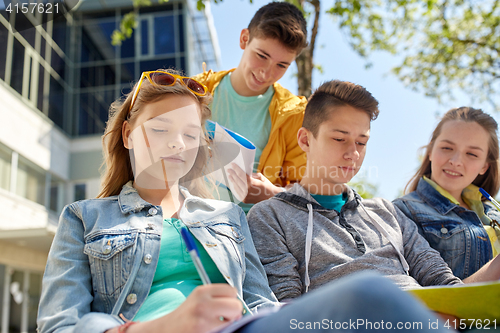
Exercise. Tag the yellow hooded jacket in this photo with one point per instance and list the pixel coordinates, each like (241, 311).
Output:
(282, 160)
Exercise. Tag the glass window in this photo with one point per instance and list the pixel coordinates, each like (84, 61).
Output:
(102, 14)
(4, 34)
(58, 64)
(128, 72)
(25, 28)
(42, 47)
(180, 21)
(85, 77)
(128, 47)
(80, 190)
(56, 102)
(85, 123)
(30, 64)
(59, 29)
(15, 315)
(144, 37)
(41, 75)
(105, 98)
(95, 76)
(89, 52)
(183, 64)
(16, 80)
(96, 39)
(5, 162)
(125, 90)
(30, 181)
(155, 9)
(164, 34)
(157, 64)
(93, 113)
(16, 301)
(34, 292)
(54, 195)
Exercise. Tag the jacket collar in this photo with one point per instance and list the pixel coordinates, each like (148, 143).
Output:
(130, 200)
(300, 197)
(433, 198)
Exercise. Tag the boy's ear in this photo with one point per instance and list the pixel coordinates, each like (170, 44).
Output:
(126, 130)
(244, 38)
(303, 136)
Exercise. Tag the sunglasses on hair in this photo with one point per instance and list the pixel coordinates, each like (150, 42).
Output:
(162, 78)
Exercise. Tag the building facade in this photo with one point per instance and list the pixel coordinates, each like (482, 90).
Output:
(57, 80)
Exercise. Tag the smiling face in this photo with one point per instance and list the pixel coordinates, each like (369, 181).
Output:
(264, 61)
(459, 156)
(337, 152)
(164, 140)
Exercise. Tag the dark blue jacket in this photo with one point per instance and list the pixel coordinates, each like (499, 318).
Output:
(456, 232)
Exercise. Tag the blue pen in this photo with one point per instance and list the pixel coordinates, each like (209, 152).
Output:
(490, 198)
(195, 255)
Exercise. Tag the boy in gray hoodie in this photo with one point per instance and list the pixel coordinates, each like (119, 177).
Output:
(321, 229)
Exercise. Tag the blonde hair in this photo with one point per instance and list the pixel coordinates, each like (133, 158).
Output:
(117, 166)
(490, 180)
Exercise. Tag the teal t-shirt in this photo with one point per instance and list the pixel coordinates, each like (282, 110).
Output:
(331, 201)
(175, 276)
(247, 116)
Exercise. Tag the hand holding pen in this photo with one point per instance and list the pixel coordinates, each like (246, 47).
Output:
(195, 256)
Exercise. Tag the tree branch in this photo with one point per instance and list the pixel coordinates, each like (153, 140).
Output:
(314, 31)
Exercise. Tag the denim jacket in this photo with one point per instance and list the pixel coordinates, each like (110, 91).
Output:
(104, 256)
(456, 232)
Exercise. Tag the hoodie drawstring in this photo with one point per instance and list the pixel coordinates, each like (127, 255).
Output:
(377, 222)
(309, 236)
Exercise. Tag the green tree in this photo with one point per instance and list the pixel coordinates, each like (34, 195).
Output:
(305, 60)
(446, 46)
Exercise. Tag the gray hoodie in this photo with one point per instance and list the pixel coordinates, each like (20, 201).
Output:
(339, 244)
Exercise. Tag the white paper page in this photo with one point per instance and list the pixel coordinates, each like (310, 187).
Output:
(244, 159)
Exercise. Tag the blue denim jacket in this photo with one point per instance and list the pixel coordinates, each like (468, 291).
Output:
(457, 233)
(104, 256)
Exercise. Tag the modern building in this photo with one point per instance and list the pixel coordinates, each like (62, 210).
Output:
(57, 80)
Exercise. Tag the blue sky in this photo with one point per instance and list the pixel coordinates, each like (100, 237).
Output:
(406, 118)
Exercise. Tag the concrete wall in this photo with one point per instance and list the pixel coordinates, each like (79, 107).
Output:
(32, 135)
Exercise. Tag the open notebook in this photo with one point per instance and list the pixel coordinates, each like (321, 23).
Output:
(467, 301)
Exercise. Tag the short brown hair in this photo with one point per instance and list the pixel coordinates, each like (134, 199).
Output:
(490, 180)
(333, 94)
(281, 21)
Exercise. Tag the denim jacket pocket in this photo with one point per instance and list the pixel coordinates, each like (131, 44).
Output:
(232, 238)
(111, 258)
(447, 237)
(231, 231)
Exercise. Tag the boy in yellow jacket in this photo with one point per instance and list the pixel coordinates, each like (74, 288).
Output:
(248, 100)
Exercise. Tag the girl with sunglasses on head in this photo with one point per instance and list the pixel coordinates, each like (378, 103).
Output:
(118, 262)
(444, 198)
